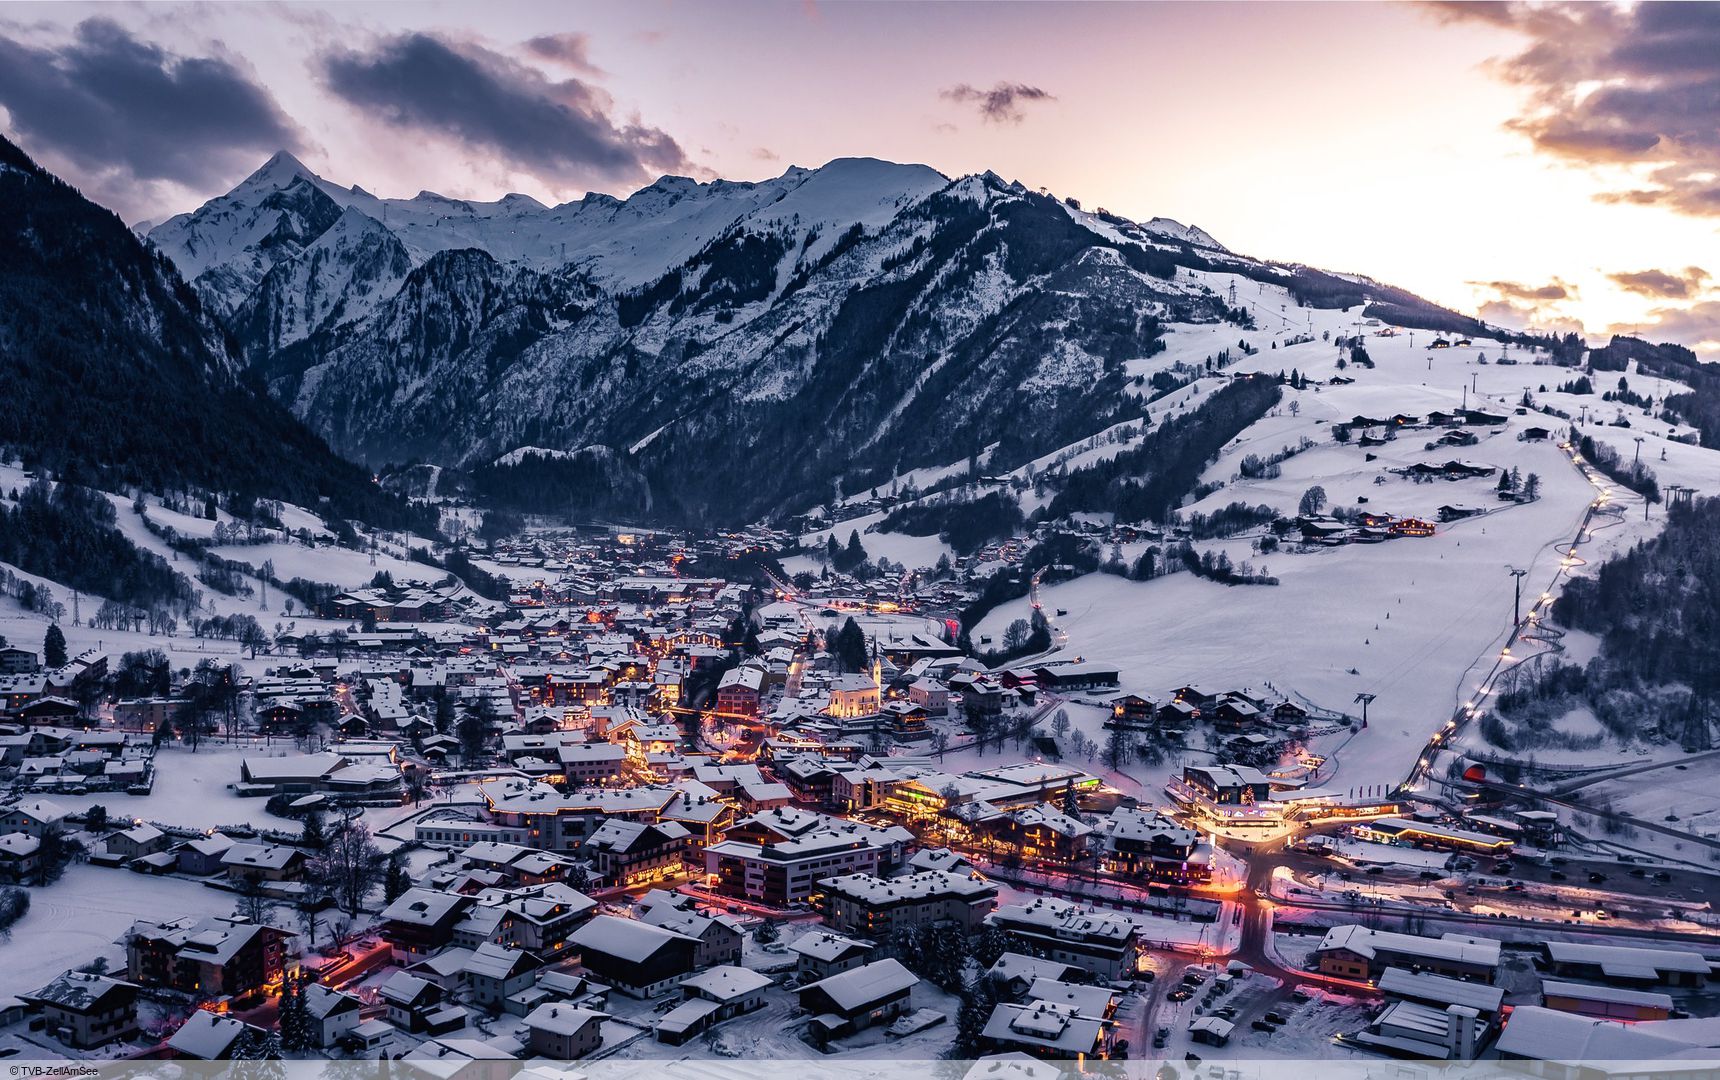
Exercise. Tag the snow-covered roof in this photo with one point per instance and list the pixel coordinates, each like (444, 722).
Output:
(1611, 995)
(625, 939)
(726, 982)
(823, 946)
(1543, 1034)
(206, 1035)
(561, 1019)
(1365, 941)
(1628, 960)
(1426, 986)
(858, 987)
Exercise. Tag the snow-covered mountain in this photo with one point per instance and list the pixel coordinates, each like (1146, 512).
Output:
(734, 348)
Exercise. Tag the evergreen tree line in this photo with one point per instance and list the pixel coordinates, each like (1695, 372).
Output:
(965, 524)
(1150, 480)
(68, 533)
(1657, 607)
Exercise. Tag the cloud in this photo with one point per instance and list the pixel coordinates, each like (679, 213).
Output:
(1518, 305)
(1516, 290)
(571, 50)
(765, 153)
(1683, 285)
(1609, 85)
(488, 102)
(1696, 326)
(117, 114)
(1001, 104)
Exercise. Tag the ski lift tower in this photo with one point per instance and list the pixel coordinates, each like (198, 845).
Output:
(1365, 700)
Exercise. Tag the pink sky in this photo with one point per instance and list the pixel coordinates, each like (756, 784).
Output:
(1357, 137)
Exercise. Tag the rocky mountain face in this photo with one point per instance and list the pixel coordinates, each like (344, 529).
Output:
(113, 371)
(701, 352)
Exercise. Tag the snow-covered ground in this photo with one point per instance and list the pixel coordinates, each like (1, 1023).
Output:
(1414, 621)
(80, 917)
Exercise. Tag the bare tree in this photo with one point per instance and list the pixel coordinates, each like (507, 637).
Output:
(350, 865)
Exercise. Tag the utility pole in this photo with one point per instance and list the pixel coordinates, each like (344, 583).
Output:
(1516, 598)
(1638, 459)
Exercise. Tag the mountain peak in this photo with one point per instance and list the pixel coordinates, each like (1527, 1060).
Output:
(279, 171)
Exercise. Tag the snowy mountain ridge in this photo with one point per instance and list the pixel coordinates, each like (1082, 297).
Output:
(884, 314)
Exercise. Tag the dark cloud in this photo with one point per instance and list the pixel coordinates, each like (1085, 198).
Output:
(1612, 85)
(1516, 290)
(1678, 285)
(571, 50)
(114, 111)
(557, 130)
(1002, 103)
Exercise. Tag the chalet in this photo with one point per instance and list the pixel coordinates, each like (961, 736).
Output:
(824, 954)
(1457, 513)
(718, 938)
(202, 856)
(779, 874)
(1045, 833)
(208, 1036)
(1199, 697)
(16, 661)
(858, 998)
(632, 852)
(421, 921)
(739, 692)
(1013, 973)
(636, 958)
(333, 1014)
(493, 973)
(136, 842)
(35, 817)
(1046, 1030)
(52, 711)
(209, 958)
(710, 997)
(20, 856)
(263, 862)
(563, 1032)
(1235, 713)
(84, 1010)
(418, 1006)
(1234, 785)
(1131, 712)
(1148, 844)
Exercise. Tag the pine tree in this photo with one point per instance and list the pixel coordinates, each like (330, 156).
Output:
(295, 1017)
(978, 1002)
(766, 933)
(54, 647)
(993, 943)
(1071, 805)
(395, 884)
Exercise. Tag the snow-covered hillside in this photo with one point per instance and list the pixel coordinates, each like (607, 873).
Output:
(1419, 622)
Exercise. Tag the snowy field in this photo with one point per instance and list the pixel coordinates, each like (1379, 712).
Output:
(80, 917)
